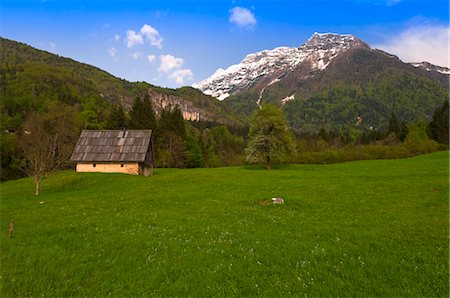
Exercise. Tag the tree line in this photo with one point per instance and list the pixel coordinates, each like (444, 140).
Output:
(47, 137)
(270, 139)
(179, 144)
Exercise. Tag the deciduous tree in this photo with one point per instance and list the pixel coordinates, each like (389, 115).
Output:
(47, 141)
(270, 139)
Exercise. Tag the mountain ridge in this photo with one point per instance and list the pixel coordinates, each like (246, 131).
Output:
(261, 69)
(339, 79)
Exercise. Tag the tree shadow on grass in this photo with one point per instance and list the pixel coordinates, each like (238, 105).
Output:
(261, 167)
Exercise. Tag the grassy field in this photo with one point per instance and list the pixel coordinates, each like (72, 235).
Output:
(369, 228)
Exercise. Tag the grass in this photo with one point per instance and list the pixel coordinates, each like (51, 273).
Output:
(368, 228)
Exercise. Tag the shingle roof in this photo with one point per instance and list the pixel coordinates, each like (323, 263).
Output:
(112, 146)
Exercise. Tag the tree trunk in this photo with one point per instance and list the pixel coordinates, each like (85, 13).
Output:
(268, 165)
(38, 185)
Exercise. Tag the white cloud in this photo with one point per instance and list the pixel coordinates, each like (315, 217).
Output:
(148, 33)
(52, 45)
(133, 38)
(136, 55)
(182, 75)
(113, 53)
(420, 43)
(116, 37)
(151, 58)
(152, 35)
(171, 66)
(242, 17)
(169, 62)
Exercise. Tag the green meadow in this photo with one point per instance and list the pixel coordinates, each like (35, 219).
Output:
(366, 228)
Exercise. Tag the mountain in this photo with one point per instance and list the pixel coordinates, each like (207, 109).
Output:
(333, 81)
(262, 69)
(29, 77)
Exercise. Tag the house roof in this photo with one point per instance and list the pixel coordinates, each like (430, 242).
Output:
(112, 146)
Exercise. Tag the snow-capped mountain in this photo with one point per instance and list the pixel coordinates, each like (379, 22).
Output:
(262, 69)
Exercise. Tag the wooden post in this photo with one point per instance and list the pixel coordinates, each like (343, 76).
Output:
(11, 229)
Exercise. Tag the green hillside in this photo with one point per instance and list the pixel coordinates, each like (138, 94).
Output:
(31, 78)
(370, 228)
(348, 106)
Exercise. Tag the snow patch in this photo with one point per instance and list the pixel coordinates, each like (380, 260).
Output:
(288, 98)
(263, 89)
(223, 96)
(429, 67)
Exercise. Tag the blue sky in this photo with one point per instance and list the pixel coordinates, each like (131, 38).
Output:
(172, 43)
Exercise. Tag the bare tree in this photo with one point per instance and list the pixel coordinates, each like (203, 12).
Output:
(47, 141)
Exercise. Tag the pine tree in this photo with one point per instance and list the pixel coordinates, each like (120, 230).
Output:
(178, 122)
(438, 128)
(394, 126)
(142, 115)
(270, 139)
(117, 118)
(172, 143)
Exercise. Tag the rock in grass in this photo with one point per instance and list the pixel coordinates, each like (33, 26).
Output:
(277, 201)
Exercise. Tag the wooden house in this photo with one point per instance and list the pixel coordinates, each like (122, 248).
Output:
(115, 151)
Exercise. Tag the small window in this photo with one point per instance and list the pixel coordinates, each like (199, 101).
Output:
(94, 165)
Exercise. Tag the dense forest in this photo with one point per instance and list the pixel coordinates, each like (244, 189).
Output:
(391, 117)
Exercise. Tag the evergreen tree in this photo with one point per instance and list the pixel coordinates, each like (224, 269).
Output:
(403, 131)
(394, 126)
(270, 139)
(172, 120)
(117, 118)
(194, 158)
(438, 128)
(178, 122)
(227, 147)
(172, 143)
(142, 115)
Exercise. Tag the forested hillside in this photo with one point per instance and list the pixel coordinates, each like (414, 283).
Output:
(31, 77)
(37, 82)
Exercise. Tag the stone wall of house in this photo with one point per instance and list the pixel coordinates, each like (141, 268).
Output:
(126, 168)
